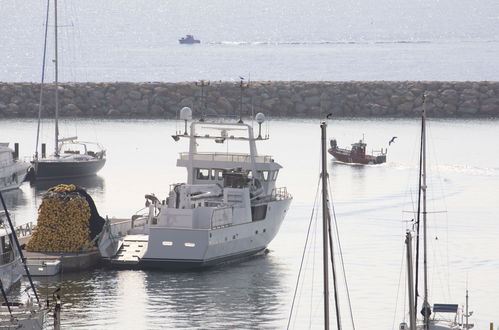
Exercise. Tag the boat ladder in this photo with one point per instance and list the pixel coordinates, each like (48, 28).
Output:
(132, 250)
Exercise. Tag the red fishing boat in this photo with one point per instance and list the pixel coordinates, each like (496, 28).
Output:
(357, 154)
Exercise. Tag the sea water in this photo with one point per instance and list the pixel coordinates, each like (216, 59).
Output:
(374, 205)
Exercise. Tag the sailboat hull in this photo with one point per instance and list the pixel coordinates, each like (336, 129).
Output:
(51, 169)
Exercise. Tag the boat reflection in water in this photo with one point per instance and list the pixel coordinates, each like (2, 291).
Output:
(93, 184)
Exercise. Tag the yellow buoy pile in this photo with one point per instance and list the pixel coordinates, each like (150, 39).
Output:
(63, 222)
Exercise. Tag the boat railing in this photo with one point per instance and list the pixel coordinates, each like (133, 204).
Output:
(281, 193)
(239, 158)
(277, 194)
(25, 230)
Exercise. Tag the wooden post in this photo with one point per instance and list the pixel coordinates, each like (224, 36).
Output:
(491, 325)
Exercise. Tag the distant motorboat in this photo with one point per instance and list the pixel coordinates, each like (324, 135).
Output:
(357, 154)
(188, 39)
(12, 171)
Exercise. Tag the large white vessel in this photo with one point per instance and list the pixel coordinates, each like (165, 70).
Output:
(228, 209)
(12, 171)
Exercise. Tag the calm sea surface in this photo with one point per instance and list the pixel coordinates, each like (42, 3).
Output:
(370, 204)
(119, 40)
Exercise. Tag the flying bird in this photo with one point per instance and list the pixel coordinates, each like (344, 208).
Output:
(392, 140)
(329, 115)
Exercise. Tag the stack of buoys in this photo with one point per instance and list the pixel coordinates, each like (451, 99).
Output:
(67, 221)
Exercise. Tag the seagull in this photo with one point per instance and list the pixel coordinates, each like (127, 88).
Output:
(329, 115)
(392, 140)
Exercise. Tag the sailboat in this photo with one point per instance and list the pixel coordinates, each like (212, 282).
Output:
(432, 315)
(71, 157)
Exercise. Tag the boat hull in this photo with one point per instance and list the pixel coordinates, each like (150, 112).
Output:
(183, 248)
(11, 273)
(11, 177)
(51, 169)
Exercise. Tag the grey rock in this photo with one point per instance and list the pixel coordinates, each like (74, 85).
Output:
(405, 107)
(224, 105)
(113, 113)
(71, 110)
(312, 100)
(187, 102)
(134, 95)
(468, 107)
(491, 109)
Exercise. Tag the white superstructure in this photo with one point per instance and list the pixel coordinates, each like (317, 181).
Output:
(12, 171)
(229, 208)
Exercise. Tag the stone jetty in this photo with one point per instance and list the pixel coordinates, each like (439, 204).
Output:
(278, 99)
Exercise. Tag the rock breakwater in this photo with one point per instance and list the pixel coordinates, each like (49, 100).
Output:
(281, 99)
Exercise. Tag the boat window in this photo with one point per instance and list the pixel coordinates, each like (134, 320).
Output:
(274, 175)
(265, 175)
(203, 174)
(218, 174)
(167, 243)
(188, 244)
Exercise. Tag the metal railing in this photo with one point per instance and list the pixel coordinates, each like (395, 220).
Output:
(281, 193)
(240, 158)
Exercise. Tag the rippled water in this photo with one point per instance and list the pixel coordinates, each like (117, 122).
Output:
(118, 40)
(369, 202)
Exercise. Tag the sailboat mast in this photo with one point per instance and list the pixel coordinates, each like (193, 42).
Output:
(425, 240)
(412, 311)
(43, 80)
(56, 153)
(325, 225)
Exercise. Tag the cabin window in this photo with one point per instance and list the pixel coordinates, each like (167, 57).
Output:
(264, 175)
(218, 174)
(203, 174)
(188, 244)
(167, 243)
(258, 212)
(274, 175)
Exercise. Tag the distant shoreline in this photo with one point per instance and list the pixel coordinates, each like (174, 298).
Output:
(300, 99)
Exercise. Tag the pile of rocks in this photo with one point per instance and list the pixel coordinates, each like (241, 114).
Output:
(284, 99)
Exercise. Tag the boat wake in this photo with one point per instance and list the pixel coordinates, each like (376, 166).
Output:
(464, 169)
(316, 42)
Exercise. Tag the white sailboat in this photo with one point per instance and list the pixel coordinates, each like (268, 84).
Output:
(229, 208)
(71, 157)
(435, 317)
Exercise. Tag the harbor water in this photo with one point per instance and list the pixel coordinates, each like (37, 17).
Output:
(373, 206)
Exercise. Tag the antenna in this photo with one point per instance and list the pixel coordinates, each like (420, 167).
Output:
(203, 84)
(241, 87)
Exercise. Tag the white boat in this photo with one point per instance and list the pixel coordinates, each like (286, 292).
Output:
(12, 171)
(437, 316)
(228, 209)
(71, 158)
(10, 260)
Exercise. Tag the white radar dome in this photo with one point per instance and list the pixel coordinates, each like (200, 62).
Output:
(185, 113)
(260, 117)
